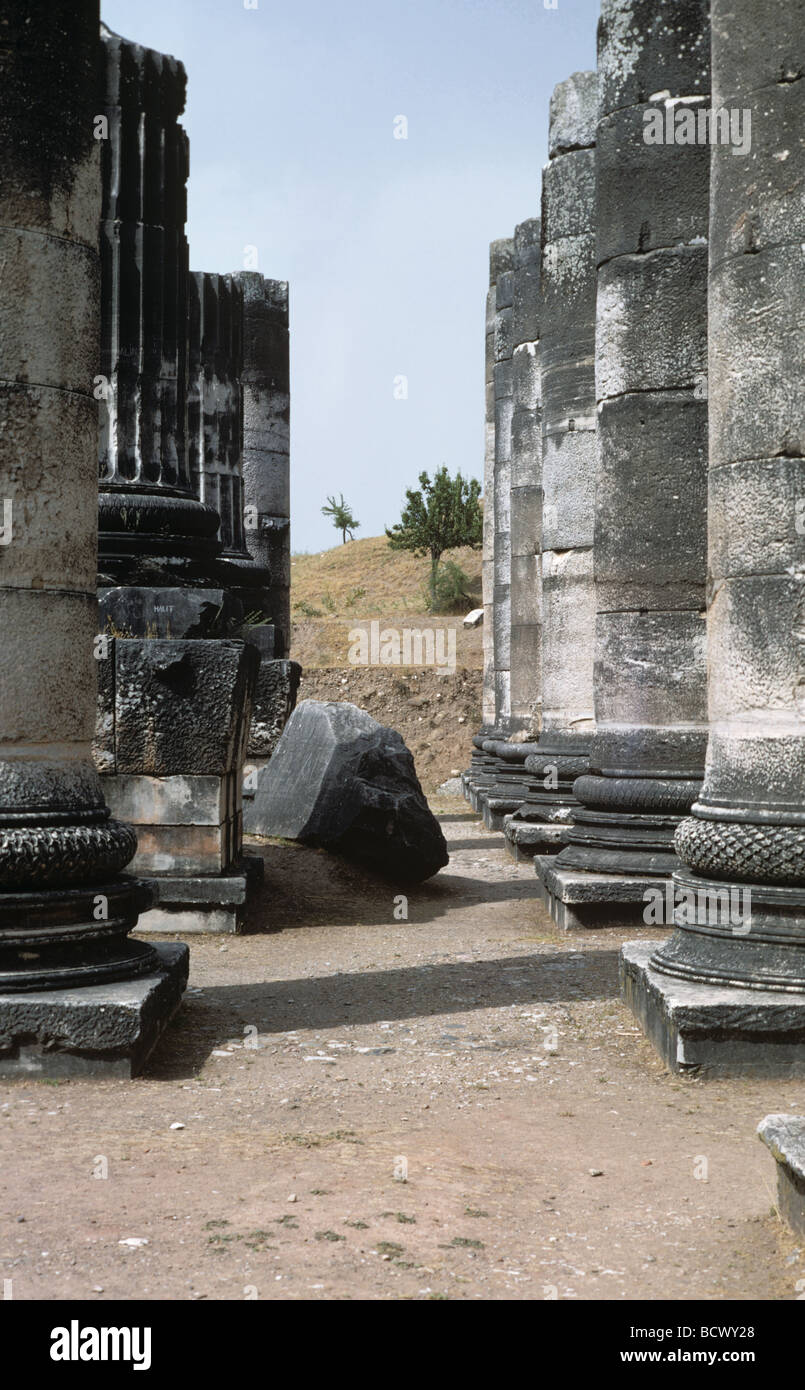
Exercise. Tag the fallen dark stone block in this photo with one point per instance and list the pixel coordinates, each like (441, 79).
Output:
(340, 781)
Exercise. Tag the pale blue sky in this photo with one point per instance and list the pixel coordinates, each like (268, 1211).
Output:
(290, 115)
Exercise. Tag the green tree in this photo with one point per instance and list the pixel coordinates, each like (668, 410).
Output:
(343, 520)
(438, 516)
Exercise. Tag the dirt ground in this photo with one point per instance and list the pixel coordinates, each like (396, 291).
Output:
(348, 1106)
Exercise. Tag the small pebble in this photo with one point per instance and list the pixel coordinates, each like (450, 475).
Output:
(596, 1172)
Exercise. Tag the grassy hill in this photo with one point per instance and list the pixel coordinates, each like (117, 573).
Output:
(366, 579)
(355, 584)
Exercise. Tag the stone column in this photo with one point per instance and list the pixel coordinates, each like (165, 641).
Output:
(650, 523)
(501, 256)
(65, 914)
(266, 441)
(504, 410)
(501, 792)
(148, 508)
(526, 546)
(214, 410)
(526, 484)
(568, 454)
(500, 260)
(746, 832)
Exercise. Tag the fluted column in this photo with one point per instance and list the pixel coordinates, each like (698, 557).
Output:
(148, 509)
(747, 827)
(651, 374)
(568, 449)
(214, 411)
(64, 912)
(266, 441)
(526, 483)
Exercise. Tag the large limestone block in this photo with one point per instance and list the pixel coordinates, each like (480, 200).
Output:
(343, 782)
(182, 707)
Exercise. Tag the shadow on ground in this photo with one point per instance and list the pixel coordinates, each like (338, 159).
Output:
(375, 996)
(306, 887)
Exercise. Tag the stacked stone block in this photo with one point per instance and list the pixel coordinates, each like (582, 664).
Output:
(746, 980)
(76, 994)
(483, 763)
(526, 483)
(173, 720)
(650, 504)
(568, 459)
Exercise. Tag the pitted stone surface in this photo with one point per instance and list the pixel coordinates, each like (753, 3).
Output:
(182, 706)
(343, 782)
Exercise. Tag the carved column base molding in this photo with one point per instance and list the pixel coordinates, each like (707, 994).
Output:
(57, 940)
(751, 937)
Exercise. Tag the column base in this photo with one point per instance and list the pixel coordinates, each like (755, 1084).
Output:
(784, 1136)
(215, 905)
(713, 1031)
(106, 1030)
(72, 937)
(749, 936)
(495, 809)
(525, 838)
(588, 901)
(625, 825)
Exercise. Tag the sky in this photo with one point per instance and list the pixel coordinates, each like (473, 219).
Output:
(292, 111)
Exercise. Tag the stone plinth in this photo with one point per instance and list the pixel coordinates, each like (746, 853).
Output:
(65, 911)
(579, 901)
(102, 1030)
(784, 1136)
(713, 1030)
(171, 737)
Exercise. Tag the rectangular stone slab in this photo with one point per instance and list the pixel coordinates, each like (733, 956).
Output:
(204, 903)
(99, 1031)
(710, 1030)
(176, 800)
(784, 1136)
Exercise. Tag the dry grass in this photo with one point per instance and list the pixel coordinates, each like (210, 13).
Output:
(329, 584)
